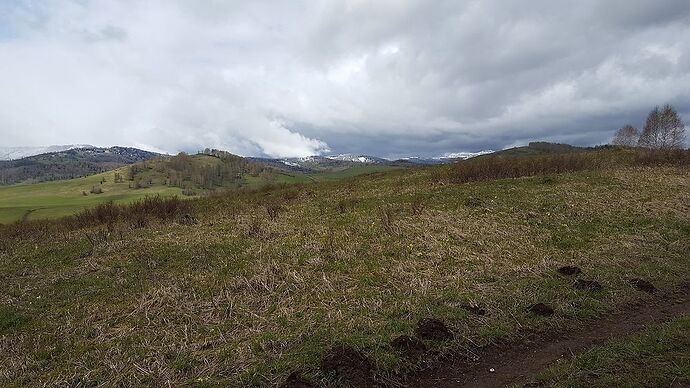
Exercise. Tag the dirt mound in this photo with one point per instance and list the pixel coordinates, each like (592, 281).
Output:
(540, 309)
(432, 329)
(350, 365)
(569, 270)
(295, 380)
(589, 285)
(643, 285)
(476, 310)
(408, 346)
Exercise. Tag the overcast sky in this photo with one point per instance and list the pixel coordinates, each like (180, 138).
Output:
(293, 78)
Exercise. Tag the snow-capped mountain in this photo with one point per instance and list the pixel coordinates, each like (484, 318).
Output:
(464, 155)
(13, 153)
(359, 158)
(344, 161)
(445, 158)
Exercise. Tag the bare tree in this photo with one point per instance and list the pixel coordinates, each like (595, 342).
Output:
(627, 136)
(673, 133)
(663, 130)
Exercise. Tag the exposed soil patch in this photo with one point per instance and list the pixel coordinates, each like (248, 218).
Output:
(541, 309)
(514, 363)
(476, 310)
(350, 365)
(569, 270)
(408, 346)
(643, 285)
(433, 329)
(588, 285)
(295, 380)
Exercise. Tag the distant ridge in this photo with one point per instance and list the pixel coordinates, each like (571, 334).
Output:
(70, 163)
(335, 162)
(13, 153)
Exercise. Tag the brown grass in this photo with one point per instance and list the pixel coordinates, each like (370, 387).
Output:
(492, 168)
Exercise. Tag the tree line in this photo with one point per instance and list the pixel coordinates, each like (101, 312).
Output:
(663, 130)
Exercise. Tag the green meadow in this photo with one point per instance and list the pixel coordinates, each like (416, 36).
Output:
(61, 198)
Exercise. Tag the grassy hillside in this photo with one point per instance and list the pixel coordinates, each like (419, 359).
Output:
(61, 198)
(290, 279)
(154, 177)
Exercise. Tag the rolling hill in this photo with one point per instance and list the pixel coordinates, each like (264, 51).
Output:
(180, 175)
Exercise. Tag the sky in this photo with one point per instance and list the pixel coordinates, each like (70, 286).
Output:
(391, 78)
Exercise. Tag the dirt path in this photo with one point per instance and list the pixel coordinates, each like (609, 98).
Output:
(515, 363)
(25, 216)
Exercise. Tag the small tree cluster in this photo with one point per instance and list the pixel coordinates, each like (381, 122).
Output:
(663, 130)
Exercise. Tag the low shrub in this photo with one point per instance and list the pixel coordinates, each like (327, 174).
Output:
(490, 168)
(156, 207)
(662, 158)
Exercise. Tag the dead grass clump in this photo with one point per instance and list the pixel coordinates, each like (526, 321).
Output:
(387, 216)
(256, 228)
(346, 204)
(417, 206)
(273, 209)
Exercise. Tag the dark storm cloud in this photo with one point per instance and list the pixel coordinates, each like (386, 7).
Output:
(392, 78)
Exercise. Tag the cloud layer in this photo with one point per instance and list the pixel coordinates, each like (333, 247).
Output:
(391, 78)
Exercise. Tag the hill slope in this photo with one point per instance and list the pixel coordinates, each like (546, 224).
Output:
(325, 278)
(181, 175)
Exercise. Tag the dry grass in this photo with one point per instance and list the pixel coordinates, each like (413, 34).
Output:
(246, 297)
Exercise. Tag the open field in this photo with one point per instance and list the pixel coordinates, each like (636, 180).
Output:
(62, 198)
(272, 282)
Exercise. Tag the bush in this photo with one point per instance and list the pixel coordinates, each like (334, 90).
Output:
(164, 209)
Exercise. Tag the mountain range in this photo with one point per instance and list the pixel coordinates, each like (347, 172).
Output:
(57, 162)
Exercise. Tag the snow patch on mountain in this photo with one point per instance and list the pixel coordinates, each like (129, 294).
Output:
(463, 155)
(12, 153)
(357, 158)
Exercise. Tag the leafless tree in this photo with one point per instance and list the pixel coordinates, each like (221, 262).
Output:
(627, 136)
(663, 130)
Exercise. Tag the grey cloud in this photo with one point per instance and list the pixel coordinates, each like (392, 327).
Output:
(393, 78)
